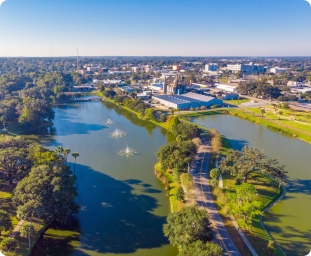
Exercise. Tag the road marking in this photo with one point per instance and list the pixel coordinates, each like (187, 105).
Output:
(206, 203)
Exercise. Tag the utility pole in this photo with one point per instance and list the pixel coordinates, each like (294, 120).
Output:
(77, 60)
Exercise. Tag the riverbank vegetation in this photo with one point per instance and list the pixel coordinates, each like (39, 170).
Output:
(266, 190)
(33, 181)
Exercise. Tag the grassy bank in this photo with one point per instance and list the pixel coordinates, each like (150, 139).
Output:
(7, 205)
(268, 192)
(166, 177)
(286, 127)
(15, 130)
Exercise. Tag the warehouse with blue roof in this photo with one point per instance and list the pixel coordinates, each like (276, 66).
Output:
(187, 100)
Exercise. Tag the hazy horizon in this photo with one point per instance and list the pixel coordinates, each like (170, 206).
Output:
(163, 28)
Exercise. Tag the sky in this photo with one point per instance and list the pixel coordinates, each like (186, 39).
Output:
(155, 28)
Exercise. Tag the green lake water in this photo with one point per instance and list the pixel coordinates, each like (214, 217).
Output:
(290, 220)
(123, 205)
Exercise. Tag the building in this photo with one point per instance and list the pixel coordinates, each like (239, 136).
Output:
(226, 87)
(93, 69)
(156, 86)
(250, 68)
(212, 67)
(136, 69)
(187, 100)
(232, 96)
(145, 95)
(175, 87)
(129, 88)
(278, 70)
(178, 67)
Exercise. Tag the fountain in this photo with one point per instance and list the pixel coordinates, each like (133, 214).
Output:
(127, 152)
(109, 121)
(117, 133)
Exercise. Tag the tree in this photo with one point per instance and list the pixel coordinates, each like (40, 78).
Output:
(199, 248)
(185, 130)
(3, 120)
(173, 122)
(66, 152)
(280, 112)
(262, 111)
(5, 221)
(8, 244)
(163, 118)
(75, 155)
(46, 187)
(244, 205)
(177, 154)
(214, 175)
(150, 112)
(188, 225)
(251, 160)
(172, 111)
(27, 230)
(180, 194)
(59, 150)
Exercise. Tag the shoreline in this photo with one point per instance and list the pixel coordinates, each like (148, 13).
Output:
(209, 112)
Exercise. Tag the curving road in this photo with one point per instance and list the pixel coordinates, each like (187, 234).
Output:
(199, 173)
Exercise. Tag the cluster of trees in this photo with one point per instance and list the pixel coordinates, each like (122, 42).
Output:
(42, 183)
(182, 130)
(287, 98)
(250, 160)
(191, 231)
(259, 89)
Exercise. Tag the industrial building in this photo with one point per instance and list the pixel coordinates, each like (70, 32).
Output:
(187, 100)
(225, 87)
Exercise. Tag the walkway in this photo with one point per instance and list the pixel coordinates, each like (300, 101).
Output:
(199, 172)
(17, 228)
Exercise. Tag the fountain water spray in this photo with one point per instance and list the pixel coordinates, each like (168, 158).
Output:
(109, 121)
(127, 152)
(117, 133)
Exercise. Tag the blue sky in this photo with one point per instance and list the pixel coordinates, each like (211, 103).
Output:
(155, 28)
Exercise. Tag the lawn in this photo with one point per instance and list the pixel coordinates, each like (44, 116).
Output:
(268, 191)
(272, 125)
(7, 205)
(236, 102)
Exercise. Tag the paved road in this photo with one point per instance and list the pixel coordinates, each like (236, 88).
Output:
(199, 172)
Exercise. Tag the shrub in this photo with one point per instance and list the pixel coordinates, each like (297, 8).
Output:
(163, 118)
(238, 181)
(176, 175)
(180, 194)
(197, 108)
(191, 109)
(203, 107)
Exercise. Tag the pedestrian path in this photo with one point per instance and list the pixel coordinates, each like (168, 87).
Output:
(16, 229)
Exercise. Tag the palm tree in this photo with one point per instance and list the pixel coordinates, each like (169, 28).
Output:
(66, 152)
(8, 244)
(26, 231)
(75, 155)
(59, 150)
(262, 111)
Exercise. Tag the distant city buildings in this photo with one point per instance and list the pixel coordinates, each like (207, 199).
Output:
(212, 67)
(278, 70)
(246, 68)
(178, 67)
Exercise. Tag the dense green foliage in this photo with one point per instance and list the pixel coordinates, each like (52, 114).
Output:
(190, 229)
(5, 221)
(186, 130)
(177, 154)
(259, 89)
(199, 248)
(251, 160)
(244, 206)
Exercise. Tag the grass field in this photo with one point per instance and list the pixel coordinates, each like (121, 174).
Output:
(236, 102)
(268, 192)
